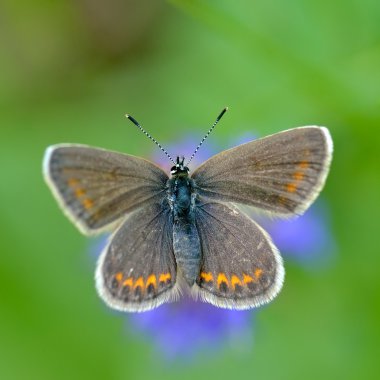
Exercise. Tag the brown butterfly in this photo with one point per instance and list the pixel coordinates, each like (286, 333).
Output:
(184, 232)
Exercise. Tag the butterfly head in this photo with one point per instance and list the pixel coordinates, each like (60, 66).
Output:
(179, 169)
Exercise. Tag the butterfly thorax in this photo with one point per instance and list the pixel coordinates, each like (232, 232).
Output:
(181, 188)
(182, 198)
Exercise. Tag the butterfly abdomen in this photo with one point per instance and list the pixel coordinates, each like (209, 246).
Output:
(186, 244)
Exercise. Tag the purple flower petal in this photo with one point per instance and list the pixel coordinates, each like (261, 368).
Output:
(307, 238)
(184, 328)
(185, 147)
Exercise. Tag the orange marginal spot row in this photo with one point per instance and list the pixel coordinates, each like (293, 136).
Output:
(235, 280)
(291, 187)
(88, 203)
(207, 276)
(139, 282)
(164, 277)
(298, 175)
(80, 192)
(72, 182)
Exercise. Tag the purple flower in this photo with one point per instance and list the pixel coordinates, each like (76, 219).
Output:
(184, 147)
(306, 239)
(182, 329)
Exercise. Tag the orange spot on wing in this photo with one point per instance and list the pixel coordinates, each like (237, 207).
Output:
(207, 276)
(128, 282)
(79, 193)
(119, 276)
(303, 164)
(235, 280)
(258, 272)
(139, 282)
(298, 176)
(247, 279)
(291, 187)
(164, 277)
(151, 280)
(72, 182)
(88, 203)
(222, 278)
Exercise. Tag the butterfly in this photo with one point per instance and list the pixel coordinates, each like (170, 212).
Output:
(185, 232)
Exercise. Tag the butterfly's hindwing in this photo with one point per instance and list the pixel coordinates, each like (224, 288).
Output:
(240, 267)
(97, 187)
(137, 270)
(282, 173)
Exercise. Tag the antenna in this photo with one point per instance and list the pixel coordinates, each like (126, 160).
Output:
(207, 134)
(135, 122)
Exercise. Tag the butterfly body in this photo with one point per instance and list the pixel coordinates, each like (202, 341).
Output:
(187, 251)
(187, 227)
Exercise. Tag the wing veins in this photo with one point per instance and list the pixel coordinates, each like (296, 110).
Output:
(226, 225)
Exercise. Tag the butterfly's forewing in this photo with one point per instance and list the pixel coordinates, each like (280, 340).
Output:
(240, 268)
(282, 173)
(97, 187)
(137, 270)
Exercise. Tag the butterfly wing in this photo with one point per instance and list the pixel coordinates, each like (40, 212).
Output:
(96, 187)
(137, 270)
(282, 173)
(240, 267)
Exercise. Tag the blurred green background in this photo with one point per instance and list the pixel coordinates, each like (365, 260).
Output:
(69, 71)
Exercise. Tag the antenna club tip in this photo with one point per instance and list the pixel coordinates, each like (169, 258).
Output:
(226, 109)
(127, 116)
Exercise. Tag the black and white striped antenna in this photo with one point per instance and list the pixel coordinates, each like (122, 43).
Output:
(135, 122)
(207, 134)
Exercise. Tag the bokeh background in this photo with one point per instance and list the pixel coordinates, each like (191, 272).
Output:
(70, 70)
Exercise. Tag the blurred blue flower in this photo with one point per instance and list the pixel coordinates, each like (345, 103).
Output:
(306, 239)
(180, 330)
(185, 147)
